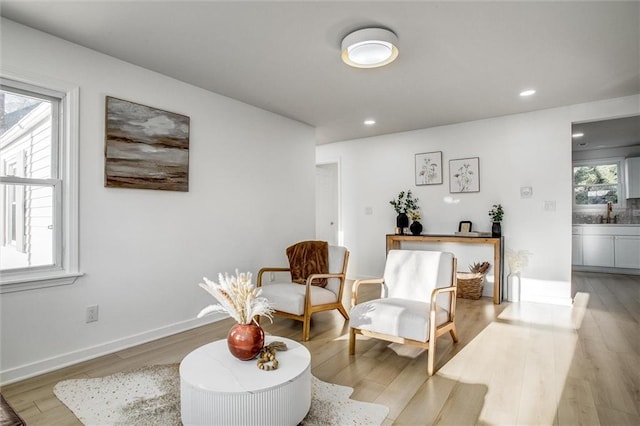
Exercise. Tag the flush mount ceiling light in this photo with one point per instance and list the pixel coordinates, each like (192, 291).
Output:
(369, 48)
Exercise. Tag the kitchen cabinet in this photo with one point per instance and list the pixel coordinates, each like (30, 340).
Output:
(632, 168)
(627, 252)
(606, 246)
(597, 250)
(576, 249)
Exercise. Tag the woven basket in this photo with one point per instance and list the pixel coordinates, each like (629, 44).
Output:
(470, 285)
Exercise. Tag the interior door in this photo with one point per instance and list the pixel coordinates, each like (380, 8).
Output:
(327, 203)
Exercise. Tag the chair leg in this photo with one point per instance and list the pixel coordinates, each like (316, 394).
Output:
(306, 328)
(352, 341)
(343, 311)
(431, 356)
(454, 334)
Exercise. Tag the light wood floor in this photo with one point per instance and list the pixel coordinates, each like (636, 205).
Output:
(515, 364)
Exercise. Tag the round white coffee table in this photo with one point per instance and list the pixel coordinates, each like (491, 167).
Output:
(218, 389)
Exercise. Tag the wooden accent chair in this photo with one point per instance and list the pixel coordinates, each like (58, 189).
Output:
(417, 302)
(300, 301)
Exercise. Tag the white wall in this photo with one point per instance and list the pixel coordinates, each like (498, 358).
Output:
(143, 252)
(532, 149)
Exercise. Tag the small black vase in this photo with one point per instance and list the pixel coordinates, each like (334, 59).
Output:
(496, 229)
(416, 228)
(402, 222)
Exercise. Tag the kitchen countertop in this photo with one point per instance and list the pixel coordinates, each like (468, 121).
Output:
(606, 224)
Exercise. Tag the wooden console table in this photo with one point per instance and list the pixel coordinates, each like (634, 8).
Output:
(394, 243)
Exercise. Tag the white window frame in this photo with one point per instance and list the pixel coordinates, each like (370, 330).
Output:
(622, 202)
(65, 186)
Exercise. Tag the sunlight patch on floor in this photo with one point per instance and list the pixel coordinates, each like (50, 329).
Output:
(523, 360)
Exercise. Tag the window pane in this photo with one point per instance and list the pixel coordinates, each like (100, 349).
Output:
(27, 234)
(600, 174)
(26, 134)
(599, 194)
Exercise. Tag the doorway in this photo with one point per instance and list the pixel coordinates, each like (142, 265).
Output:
(328, 203)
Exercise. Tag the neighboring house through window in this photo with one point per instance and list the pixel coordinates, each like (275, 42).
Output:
(38, 185)
(598, 182)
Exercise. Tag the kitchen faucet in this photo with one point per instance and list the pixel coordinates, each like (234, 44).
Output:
(608, 218)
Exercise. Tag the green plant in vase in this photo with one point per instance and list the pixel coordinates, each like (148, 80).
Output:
(402, 205)
(416, 226)
(496, 213)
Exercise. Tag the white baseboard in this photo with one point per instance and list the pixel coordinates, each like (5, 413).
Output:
(54, 363)
(602, 269)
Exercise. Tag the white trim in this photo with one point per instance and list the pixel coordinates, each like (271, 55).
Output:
(607, 270)
(622, 202)
(54, 363)
(338, 163)
(66, 253)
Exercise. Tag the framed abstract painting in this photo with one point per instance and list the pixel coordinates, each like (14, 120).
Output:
(145, 147)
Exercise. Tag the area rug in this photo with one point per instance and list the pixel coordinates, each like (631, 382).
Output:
(151, 396)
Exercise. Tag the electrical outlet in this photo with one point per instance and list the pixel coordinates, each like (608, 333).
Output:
(92, 313)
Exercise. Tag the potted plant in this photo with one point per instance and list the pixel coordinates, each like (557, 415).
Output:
(416, 226)
(238, 297)
(403, 204)
(496, 214)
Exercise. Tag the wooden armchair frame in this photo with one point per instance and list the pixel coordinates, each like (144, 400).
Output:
(310, 309)
(434, 331)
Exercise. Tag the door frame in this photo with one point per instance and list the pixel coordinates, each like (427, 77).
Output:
(338, 163)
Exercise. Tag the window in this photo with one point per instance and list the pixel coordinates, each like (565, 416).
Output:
(598, 182)
(38, 186)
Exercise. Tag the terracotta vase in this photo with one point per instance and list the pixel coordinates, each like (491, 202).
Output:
(245, 341)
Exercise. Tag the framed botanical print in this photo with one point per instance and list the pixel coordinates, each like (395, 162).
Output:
(464, 175)
(429, 168)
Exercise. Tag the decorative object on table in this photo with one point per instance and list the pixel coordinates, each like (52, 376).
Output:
(402, 205)
(145, 147)
(151, 396)
(516, 260)
(416, 226)
(238, 297)
(464, 175)
(496, 214)
(429, 168)
(470, 283)
(267, 358)
(464, 226)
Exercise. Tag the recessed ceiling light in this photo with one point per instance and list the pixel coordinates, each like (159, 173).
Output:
(369, 48)
(527, 92)
(577, 135)
(370, 122)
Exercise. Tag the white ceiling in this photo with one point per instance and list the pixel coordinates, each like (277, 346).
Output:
(459, 61)
(616, 133)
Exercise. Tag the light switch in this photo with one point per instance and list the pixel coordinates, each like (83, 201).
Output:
(550, 206)
(368, 210)
(526, 192)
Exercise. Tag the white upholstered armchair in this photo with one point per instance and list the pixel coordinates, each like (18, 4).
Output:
(300, 301)
(417, 302)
